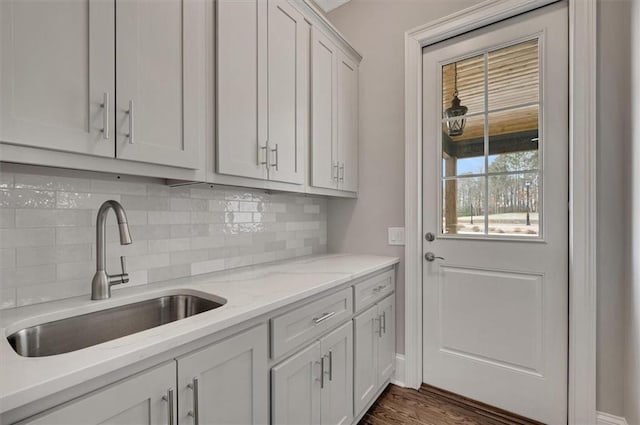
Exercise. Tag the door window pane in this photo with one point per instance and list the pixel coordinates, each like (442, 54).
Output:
(463, 208)
(514, 77)
(513, 207)
(464, 154)
(513, 139)
(467, 76)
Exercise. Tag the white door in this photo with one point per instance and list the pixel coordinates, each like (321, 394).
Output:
(324, 111)
(387, 341)
(296, 387)
(226, 383)
(241, 89)
(337, 394)
(57, 75)
(495, 306)
(146, 398)
(366, 333)
(159, 81)
(347, 123)
(288, 45)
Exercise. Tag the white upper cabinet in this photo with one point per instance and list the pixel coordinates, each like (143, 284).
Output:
(57, 75)
(288, 41)
(334, 116)
(107, 78)
(262, 72)
(241, 88)
(348, 123)
(324, 110)
(159, 60)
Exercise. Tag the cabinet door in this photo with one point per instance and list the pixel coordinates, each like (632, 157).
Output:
(337, 394)
(287, 46)
(295, 388)
(241, 141)
(348, 123)
(56, 71)
(366, 335)
(141, 399)
(324, 111)
(387, 345)
(160, 81)
(227, 382)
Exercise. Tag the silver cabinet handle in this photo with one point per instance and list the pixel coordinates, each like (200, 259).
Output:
(336, 167)
(130, 113)
(275, 151)
(330, 366)
(105, 115)
(169, 399)
(430, 256)
(322, 372)
(342, 172)
(324, 317)
(263, 148)
(383, 323)
(194, 413)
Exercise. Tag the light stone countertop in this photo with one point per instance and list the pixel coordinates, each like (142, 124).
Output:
(250, 292)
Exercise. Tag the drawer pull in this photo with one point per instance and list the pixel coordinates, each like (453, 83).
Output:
(325, 316)
(169, 399)
(330, 366)
(194, 413)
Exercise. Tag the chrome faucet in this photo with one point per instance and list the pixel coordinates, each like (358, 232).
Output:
(102, 281)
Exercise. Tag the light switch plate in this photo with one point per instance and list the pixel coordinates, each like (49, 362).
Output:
(396, 235)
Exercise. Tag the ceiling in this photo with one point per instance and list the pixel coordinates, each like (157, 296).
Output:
(329, 5)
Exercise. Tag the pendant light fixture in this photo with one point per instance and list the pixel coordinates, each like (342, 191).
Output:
(455, 114)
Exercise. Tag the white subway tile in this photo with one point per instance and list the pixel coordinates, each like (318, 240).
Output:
(81, 200)
(13, 238)
(8, 298)
(118, 187)
(207, 266)
(169, 217)
(33, 256)
(7, 218)
(26, 198)
(78, 270)
(36, 181)
(7, 258)
(312, 209)
(27, 275)
(52, 218)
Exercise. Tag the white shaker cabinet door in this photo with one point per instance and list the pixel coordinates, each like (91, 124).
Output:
(348, 124)
(160, 81)
(146, 398)
(387, 343)
(57, 75)
(241, 108)
(366, 340)
(226, 383)
(337, 394)
(296, 387)
(324, 111)
(288, 45)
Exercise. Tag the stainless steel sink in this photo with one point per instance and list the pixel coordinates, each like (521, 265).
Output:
(74, 333)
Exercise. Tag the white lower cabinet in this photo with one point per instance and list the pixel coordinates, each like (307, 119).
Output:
(315, 385)
(146, 398)
(227, 382)
(374, 351)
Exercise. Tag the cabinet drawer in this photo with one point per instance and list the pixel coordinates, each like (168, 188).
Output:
(373, 289)
(298, 326)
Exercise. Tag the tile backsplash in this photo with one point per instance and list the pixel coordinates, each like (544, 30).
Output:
(47, 230)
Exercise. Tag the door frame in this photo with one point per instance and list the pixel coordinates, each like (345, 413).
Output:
(582, 187)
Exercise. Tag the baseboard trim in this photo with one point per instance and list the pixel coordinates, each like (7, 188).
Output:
(607, 419)
(399, 378)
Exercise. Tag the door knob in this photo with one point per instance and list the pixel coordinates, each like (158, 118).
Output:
(430, 256)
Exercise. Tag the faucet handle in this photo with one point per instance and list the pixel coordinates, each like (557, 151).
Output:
(123, 263)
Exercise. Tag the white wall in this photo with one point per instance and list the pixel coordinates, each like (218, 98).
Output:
(376, 29)
(632, 354)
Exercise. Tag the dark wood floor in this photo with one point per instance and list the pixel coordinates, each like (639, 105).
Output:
(433, 406)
